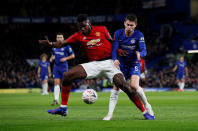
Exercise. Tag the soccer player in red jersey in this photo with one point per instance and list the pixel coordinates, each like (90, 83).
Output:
(96, 41)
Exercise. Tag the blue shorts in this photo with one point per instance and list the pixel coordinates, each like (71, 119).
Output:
(180, 76)
(130, 69)
(58, 72)
(43, 77)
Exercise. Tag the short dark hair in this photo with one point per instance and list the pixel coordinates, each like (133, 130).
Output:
(131, 17)
(59, 33)
(82, 17)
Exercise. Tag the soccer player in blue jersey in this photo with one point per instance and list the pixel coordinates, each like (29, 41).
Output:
(132, 42)
(61, 56)
(182, 71)
(43, 72)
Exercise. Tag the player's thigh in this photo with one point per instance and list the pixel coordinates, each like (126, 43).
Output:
(77, 72)
(95, 68)
(44, 81)
(135, 75)
(110, 69)
(135, 81)
(57, 81)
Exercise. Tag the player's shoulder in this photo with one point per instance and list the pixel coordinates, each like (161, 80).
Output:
(119, 31)
(138, 32)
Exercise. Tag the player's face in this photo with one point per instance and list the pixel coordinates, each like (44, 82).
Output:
(44, 59)
(129, 25)
(84, 27)
(181, 59)
(59, 38)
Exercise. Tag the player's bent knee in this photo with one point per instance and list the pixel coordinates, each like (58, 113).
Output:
(66, 78)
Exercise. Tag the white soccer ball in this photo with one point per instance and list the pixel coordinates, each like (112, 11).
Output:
(89, 96)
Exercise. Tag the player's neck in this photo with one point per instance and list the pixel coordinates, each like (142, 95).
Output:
(127, 33)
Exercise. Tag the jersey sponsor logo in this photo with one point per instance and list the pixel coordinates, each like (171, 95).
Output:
(97, 34)
(128, 47)
(44, 65)
(94, 42)
(59, 53)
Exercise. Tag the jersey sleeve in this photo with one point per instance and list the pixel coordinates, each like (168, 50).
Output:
(39, 65)
(142, 45)
(73, 38)
(69, 50)
(107, 35)
(115, 45)
(48, 64)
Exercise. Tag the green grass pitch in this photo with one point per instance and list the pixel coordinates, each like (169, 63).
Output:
(28, 112)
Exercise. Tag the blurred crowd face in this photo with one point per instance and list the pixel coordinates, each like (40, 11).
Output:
(59, 38)
(181, 59)
(129, 25)
(84, 27)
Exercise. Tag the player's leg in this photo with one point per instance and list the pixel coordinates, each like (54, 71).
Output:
(77, 72)
(120, 82)
(112, 103)
(135, 85)
(182, 84)
(56, 91)
(45, 87)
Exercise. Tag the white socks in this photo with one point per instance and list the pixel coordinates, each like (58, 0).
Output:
(181, 85)
(142, 96)
(45, 88)
(56, 92)
(113, 101)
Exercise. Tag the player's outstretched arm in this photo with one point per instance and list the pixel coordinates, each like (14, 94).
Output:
(57, 44)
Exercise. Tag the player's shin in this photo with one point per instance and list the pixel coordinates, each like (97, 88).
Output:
(113, 101)
(65, 95)
(142, 96)
(56, 92)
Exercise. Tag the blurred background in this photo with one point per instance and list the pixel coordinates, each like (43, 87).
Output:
(170, 28)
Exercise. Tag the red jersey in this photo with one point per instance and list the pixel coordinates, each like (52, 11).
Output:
(96, 44)
(142, 65)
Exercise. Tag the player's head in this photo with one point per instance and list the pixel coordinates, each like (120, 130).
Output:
(83, 23)
(130, 22)
(43, 57)
(59, 37)
(181, 58)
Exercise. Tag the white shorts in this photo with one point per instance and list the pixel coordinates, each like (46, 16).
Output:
(95, 68)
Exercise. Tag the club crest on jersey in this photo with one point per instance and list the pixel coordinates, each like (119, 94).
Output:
(132, 41)
(62, 49)
(97, 34)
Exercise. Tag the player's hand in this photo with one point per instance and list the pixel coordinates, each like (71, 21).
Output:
(122, 52)
(57, 44)
(116, 63)
(63, 59)
(138, 55)
(46, 41)
(50, 74)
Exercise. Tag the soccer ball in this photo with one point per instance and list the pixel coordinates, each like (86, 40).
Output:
(89, 96)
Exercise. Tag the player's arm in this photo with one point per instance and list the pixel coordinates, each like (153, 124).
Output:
(49, 71)
(52, 58)
(67, 58)
(142, 47)
(175, 68)
(38, 71)
(115, 47)
(186, 70)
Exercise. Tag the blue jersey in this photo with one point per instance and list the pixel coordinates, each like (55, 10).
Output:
(44, 67)
(129, 64)
(61, 53)
(61, 67)
(131, 44)
(181, 69)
